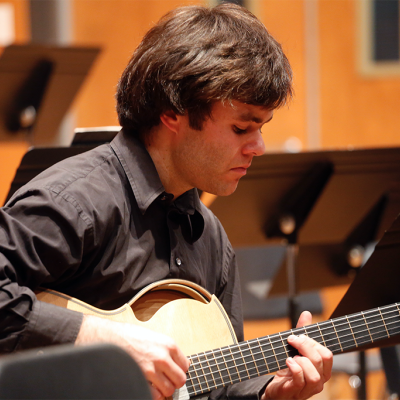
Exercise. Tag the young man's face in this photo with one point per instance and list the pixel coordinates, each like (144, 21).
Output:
(215, 158)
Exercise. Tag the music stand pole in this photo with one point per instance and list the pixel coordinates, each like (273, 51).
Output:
(291, 259)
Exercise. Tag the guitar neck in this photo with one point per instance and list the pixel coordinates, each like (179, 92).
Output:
(236, 363)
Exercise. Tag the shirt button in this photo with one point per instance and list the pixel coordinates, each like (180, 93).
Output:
(178, 261)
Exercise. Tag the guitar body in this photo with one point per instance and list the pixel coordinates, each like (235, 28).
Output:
(194, 318)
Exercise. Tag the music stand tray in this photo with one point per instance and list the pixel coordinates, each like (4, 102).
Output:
(46, 78)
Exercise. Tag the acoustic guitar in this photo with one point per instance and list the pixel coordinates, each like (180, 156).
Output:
(198, 323)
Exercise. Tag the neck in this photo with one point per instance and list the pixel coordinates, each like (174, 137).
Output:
(159, 146)
(231, 364)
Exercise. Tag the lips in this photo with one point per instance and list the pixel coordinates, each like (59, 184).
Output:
(240, 170)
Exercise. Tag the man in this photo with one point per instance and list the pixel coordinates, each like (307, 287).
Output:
(103, 225)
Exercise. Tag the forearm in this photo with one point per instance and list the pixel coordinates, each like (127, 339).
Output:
(29, 324)
(34, 252)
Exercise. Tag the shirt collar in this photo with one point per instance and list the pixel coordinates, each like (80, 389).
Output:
(143, 177)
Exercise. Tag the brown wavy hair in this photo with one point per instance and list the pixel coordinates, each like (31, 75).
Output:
(195, 56)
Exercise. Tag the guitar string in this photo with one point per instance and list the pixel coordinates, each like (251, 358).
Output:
(308, 333)
(277, 347)
(251, 375)
(193, 391)
(280, 360)
(282, 353)
(330, 322)
(392, 308)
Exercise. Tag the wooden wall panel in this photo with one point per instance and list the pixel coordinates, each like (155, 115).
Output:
(356, 110)
(21, 13)
(285, 21)
(117, 26)
(12, 152)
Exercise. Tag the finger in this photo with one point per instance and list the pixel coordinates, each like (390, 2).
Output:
(297, 374)
(168, 376)
(180, 359)
(163, 384)
(327, 360)
(304, 319)
(175, 374)
(155, 393)
(320, 357)
(314, 383)
(171, 369)
(308, 348)
(310, 373)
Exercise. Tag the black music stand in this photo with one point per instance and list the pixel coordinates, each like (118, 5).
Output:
(377, 285)
(38, 85)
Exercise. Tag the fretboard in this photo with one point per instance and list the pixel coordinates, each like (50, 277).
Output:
(236, 363)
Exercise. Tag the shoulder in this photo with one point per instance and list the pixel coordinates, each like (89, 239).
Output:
(72, 170)
(82, 183)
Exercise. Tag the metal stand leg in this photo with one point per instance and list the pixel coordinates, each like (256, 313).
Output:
(362, 374)
(291, 259)
(391, 364)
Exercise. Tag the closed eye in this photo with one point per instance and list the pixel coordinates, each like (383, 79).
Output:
(238, 130)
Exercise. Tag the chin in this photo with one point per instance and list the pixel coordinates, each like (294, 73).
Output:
(225, 191)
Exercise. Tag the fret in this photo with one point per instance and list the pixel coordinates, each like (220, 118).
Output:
(360, 330)
(376, 324)
(390, 315)
(395, 325)
(229, 364)
(248, 359)
(322, 336)
(200, 385)
(215, 369)
(366, 324)
(262, 360)
(348, 334)
(300, 331)
(333, 325)
(290, 350)
(268, 354)
(190, 377)
(237, 364)
(242, 361)
(330, 336)
(314, 333)
(383, 320)
(398, 315)
(274, 356)
(253, 364)
(205, 369)
(284, 346)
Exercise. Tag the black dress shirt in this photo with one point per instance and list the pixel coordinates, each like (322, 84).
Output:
(100, 227)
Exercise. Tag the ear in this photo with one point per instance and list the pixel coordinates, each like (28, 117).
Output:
(171, 120)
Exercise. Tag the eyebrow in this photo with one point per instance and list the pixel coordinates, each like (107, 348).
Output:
(251, 117)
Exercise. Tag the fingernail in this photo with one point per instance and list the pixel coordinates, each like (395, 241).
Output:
(292, 338)
(290, 360)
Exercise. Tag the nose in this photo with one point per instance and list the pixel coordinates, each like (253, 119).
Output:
(255, 146)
